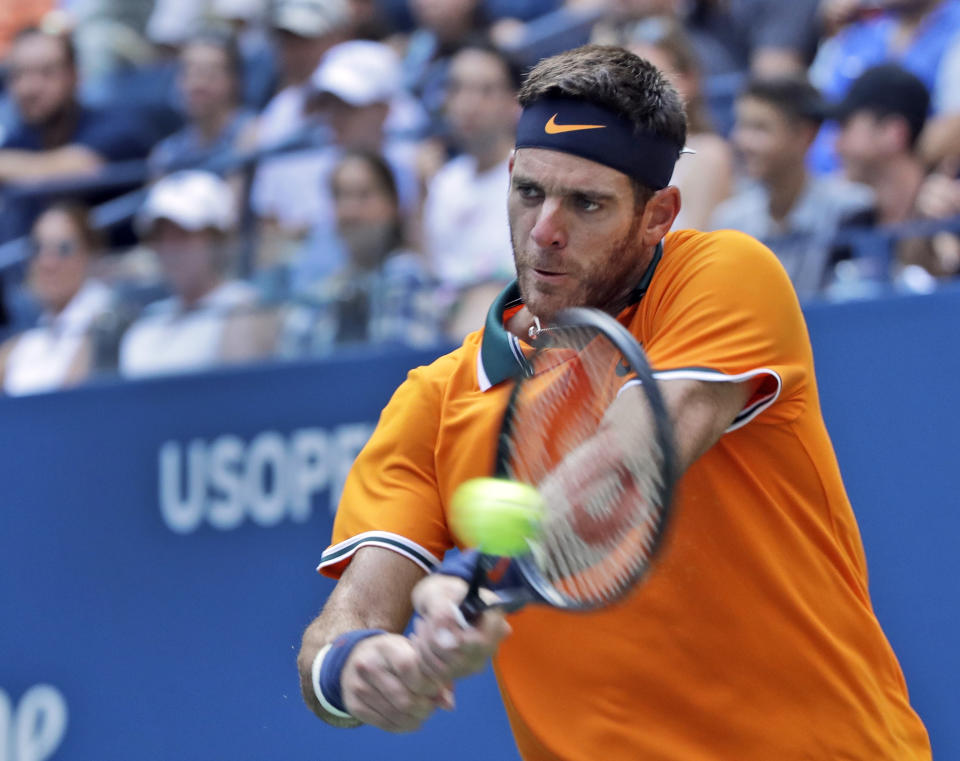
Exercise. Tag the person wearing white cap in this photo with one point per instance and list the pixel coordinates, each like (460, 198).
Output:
(303, 30)
(353, 91)
(188, 219)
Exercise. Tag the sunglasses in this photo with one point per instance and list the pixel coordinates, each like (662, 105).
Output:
(62, 249)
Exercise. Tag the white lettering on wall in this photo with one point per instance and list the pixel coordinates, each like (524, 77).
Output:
(271, 478)
(35, 728)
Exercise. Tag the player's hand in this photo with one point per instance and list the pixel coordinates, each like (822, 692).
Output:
(449, 647)
(383, 684)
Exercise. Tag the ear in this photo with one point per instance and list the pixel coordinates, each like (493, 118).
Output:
(511, 160)
(658, 215)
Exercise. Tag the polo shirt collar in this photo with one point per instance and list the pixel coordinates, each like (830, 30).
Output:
(501, 355)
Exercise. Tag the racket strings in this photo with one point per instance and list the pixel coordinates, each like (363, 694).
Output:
(572, 436)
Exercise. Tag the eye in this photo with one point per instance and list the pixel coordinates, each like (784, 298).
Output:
(529, 192)
(585, 203)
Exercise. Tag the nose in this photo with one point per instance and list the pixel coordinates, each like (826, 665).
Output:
(550, 230)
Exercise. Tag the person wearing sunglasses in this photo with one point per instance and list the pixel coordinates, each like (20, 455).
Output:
(57, 352)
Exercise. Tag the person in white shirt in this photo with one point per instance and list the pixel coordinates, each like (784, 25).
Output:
(355, 92)
(303, 31)
(57, 353)
(465, 228)
(188, 219)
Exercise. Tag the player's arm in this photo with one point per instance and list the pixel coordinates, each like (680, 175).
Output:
(382, 682)
(701, 411)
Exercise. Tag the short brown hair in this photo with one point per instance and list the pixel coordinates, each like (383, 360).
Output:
(616, 79)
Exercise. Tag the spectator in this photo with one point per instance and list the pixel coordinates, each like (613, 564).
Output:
(352, 91)
(938, 198)
(442, 25)
(705, 178)
(382, 293)
(940, 141)
(759, 37)
(57, 353)
(304, 31)
(210, 86)
(259, 61)
(914, 33)
(795, 213)
(58, 136)
(880, 120)
(465, 227)
(188, 219)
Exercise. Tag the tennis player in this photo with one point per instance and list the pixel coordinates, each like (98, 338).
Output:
(753, 638)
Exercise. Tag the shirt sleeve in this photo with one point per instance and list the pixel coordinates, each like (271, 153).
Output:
(390, 498)
(728, 313)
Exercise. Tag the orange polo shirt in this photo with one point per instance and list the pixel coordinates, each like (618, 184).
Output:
(753, 637)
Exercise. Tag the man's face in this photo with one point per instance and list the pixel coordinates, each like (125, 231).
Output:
(865, 143)
(575, 232)
(481, 105)
(206, 81)
(187, 257)
(766, 139)
(354, 127)
(41, 78)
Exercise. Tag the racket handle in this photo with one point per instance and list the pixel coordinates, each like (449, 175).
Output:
(472, 608)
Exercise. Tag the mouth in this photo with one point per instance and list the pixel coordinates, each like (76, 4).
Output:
(548, 276)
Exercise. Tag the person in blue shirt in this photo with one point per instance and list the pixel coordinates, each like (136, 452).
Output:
(57, 135)
(913, 33)
(210, 87)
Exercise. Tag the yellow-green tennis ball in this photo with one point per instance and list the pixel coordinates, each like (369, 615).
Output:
(495, 515)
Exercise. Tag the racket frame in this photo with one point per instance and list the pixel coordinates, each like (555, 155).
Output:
(537, 588)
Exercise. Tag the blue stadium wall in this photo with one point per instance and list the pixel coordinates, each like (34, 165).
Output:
(158, 541)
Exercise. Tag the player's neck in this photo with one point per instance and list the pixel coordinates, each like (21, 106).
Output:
(521, 323)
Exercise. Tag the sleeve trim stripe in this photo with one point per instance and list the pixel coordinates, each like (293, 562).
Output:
(400, 544)
(714, 376)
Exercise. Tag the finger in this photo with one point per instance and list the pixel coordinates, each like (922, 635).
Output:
(383, 694)
(408, 666)
(373, 692)
(365, 710)
(406, 705)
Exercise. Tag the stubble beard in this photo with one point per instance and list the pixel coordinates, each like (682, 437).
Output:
(607, 289)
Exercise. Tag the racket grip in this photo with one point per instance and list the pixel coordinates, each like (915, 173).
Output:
(472, 608)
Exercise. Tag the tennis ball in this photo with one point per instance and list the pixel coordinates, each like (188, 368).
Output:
(496, 515)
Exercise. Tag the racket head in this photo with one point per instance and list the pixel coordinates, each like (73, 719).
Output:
(572, 430)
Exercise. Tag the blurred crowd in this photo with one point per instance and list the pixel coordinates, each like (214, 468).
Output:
(186, 183)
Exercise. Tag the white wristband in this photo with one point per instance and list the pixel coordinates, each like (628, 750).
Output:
(315, 676)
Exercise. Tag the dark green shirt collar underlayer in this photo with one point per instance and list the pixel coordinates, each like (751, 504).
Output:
(500, 354)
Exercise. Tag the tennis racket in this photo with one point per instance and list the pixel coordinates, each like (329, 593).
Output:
(586, 425)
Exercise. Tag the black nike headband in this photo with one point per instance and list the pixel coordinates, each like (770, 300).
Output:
(598, 134)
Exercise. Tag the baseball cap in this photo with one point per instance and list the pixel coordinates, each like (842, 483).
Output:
(310, 18)
(359, 72)
(887, 89)
(193, 199)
